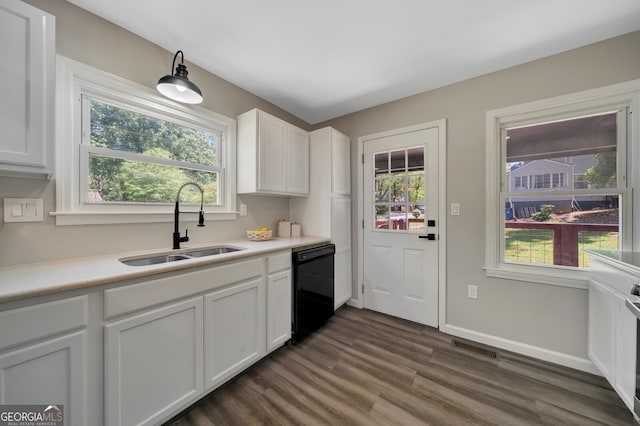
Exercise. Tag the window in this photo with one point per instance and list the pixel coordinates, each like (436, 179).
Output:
(399, 190)
(580, 181)
(123, 152)
(558, 180)
(567, 165)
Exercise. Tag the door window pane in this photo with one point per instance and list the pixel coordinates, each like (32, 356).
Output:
(416, 187)
(381, 162)
(382, 188)
(398, 187)
(381, 216)
(398, 160)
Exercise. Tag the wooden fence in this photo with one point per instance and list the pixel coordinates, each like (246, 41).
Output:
(565, 237)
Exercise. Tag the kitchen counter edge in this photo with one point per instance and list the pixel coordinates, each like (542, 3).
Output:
(628, 261)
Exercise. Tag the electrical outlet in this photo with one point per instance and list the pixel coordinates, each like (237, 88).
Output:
(455, 209)
(243, 209)
(472, 291)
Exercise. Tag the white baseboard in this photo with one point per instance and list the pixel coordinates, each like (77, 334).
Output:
(571, 361)
(356, 303)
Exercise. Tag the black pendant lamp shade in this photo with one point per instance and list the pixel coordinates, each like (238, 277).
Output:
(177, 86)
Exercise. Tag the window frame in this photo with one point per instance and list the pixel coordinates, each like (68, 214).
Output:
(614, 97)
(75, 81)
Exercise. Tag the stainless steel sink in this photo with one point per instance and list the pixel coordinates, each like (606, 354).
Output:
(211, 251)
(173, 257)
(153, 260)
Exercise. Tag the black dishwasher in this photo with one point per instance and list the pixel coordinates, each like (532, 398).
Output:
(313, 275)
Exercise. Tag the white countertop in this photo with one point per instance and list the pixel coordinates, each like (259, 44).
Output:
(629, 260)
(37, 279)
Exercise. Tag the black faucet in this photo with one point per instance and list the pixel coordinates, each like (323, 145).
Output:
(177, 239)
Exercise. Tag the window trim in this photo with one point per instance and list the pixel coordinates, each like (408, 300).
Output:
(74, 80)
(616, 96)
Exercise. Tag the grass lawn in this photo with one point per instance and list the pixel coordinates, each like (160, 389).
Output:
(535, 246)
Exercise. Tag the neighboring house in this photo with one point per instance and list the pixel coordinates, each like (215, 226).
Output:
(541, 174)
(558, 174)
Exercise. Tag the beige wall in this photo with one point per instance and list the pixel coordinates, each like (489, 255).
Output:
(553, 318)
(88, 39)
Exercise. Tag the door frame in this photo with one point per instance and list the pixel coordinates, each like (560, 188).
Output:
(357, 299)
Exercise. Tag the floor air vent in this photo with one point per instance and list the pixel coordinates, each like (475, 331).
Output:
(489, 353)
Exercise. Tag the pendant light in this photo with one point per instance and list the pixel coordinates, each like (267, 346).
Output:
(177, 86)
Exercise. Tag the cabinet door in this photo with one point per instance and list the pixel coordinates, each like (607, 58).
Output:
(27, 37)
(342, 280)
(625, 351)
(297, 161)
(271, 154)
(341, 223)
(340, 164)
(48, 373)
(278, 309)
(233, 330)
(153, 363)
(601, 326)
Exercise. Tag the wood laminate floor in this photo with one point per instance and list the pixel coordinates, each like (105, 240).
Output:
(366, 368)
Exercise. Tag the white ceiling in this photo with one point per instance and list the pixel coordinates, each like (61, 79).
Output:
(320, 59)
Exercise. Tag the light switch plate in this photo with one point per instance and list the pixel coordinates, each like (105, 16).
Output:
(23, 210)
(472, 291)
(455, 209)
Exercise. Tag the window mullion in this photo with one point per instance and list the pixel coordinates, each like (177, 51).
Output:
(132, 156)
(85, 114)
(621, 179)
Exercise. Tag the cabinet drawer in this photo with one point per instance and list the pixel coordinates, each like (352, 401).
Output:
(130, 298)
(35, 322)
(278, 262)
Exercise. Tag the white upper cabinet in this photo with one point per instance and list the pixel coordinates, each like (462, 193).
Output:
(297, 161)
(27, 43)
(340, 164)
(273, 156)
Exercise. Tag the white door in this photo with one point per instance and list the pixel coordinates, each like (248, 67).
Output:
(400, 218)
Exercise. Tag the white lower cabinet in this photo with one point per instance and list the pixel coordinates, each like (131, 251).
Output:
(153, 363)
(233, 330)
(612, 328)
(601, 327)
(139, 352)
(48, 373)
(279, 294)
(163, 352)
(43, 356)
(278, 309)
(625, 354)
(342, 281)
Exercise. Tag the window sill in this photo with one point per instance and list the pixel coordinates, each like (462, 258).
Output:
(111, 218)
(559, 277)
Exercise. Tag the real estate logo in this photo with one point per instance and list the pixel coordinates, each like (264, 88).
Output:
(31, 415)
